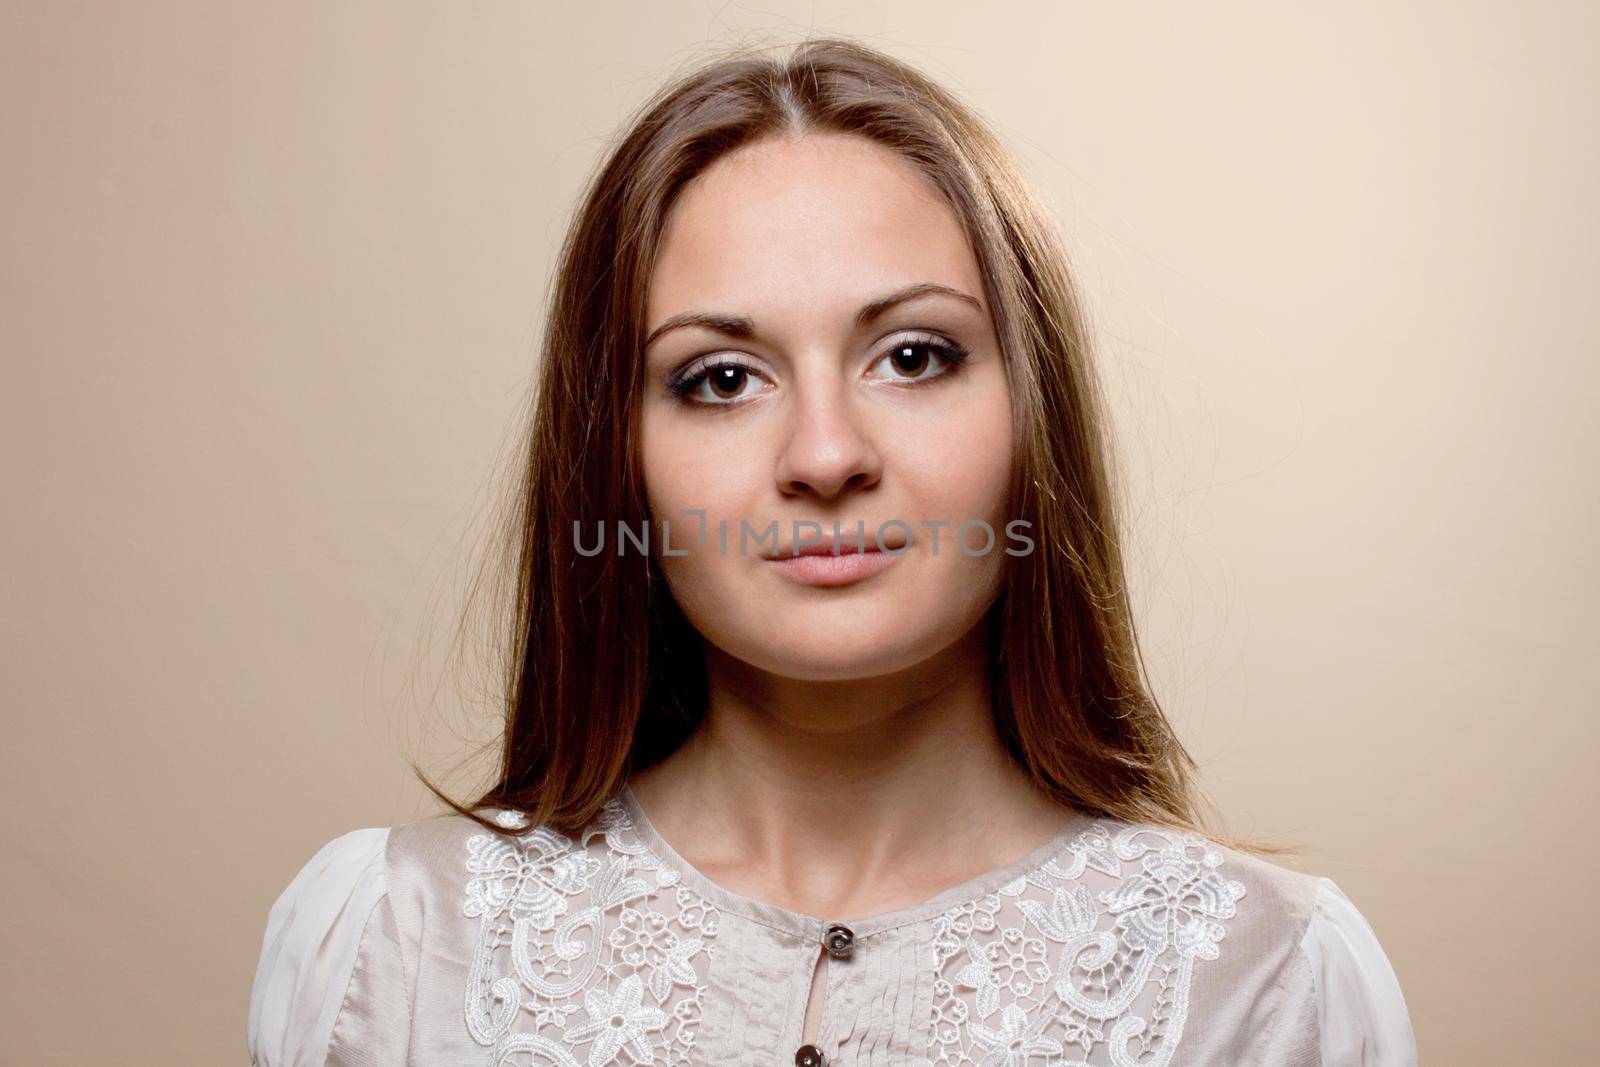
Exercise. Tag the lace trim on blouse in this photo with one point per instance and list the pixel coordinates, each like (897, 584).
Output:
(586, 956)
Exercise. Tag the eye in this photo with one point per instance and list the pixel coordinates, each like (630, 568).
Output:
(713, 382)
(911, 358)
(723, 380)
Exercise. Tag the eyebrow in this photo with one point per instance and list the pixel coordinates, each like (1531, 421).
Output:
(745, 328)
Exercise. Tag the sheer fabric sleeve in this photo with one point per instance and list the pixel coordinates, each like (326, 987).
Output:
(1361, 1011)
(309, 950)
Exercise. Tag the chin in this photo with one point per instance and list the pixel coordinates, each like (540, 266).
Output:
(820, 665)
(819, 648)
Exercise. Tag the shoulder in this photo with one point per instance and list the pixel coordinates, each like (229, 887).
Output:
(1226, 893)
(360, 905)
(343, 939)
(1165, 935)
(1282, 900)
(343, 879)
(451, 881)
(308, 950)
(1293, 961)
(1279, 960)
(454, 856)
(1362, 1018)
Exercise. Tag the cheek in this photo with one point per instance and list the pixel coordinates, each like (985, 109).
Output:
(961, 467)
(674, 468)
(692, 483)
(685, 471)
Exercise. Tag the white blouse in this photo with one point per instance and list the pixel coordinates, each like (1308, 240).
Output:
(1113, 944)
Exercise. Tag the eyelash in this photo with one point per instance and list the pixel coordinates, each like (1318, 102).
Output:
(681, 384)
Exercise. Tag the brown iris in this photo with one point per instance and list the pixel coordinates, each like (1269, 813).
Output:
(729, 378)
(916, 364)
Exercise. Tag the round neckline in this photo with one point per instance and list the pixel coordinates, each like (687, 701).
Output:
(814, 927)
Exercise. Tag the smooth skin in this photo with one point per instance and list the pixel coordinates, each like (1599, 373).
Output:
(847, 765)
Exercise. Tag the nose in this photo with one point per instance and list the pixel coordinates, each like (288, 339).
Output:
(827, 450)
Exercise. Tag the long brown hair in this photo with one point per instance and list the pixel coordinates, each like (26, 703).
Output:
(604, 675)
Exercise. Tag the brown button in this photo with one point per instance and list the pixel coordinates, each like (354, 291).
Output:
(808, 1056)
(840, 941)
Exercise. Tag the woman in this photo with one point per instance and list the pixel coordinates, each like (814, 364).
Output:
(826, 740)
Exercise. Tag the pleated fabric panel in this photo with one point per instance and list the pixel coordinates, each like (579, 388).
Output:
(755, 995)
(879, 1008)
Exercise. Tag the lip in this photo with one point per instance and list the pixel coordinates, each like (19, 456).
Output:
(831, 562)
(823, 568)
(847, 546)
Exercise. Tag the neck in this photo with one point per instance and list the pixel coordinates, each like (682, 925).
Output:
(822, 789)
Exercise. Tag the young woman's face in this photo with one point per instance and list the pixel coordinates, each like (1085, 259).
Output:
(802, 404)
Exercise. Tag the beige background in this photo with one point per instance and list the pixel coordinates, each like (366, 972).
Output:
(271, 276)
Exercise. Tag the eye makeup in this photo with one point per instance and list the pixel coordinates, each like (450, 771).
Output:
(686, 380)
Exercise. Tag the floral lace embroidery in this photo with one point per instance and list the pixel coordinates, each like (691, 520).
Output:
(1022, 977)
(577, 960)
(582, 960)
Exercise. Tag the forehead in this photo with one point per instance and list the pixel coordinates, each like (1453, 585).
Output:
(806, 225)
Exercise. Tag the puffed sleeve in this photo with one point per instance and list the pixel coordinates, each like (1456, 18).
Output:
(1361, 1011)
(313, 934)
